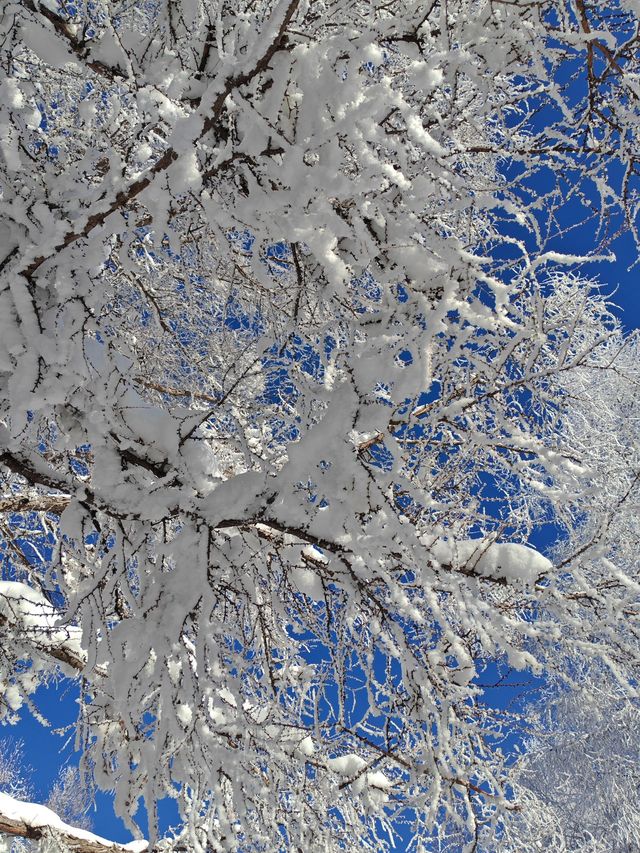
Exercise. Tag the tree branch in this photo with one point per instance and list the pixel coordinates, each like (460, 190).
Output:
(79, 48)
(25, 609)
(126, 196)
(29, 820)
(34, 503)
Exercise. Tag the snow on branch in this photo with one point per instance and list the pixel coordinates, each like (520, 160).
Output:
(33, 821)
(26, 611)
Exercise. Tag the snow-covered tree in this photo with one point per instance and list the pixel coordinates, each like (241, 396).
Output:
(289, 342)
(578, 784)
(12, 771)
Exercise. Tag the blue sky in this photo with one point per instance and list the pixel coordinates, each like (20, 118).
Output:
(46, 749)
(621, 280)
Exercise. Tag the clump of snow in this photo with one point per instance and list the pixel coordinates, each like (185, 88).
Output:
(347, 765)
(306, 747)
(184, 714)
(377, 779)
(352, 768)
(45, 45)
(507, 561)
(308, 583)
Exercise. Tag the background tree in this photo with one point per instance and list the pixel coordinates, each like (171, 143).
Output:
(69, 797)
(285, 370)
(578, 780)
(578, 783)
(11, 770)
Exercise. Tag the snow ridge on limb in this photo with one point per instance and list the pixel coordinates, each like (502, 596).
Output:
(28, 613)
(30, 820)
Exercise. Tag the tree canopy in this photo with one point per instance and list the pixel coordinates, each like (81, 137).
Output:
(301, 370)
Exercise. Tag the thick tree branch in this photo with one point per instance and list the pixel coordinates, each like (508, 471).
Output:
(78, 47)
(29, 820)
(32, 473)
(34, 503)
